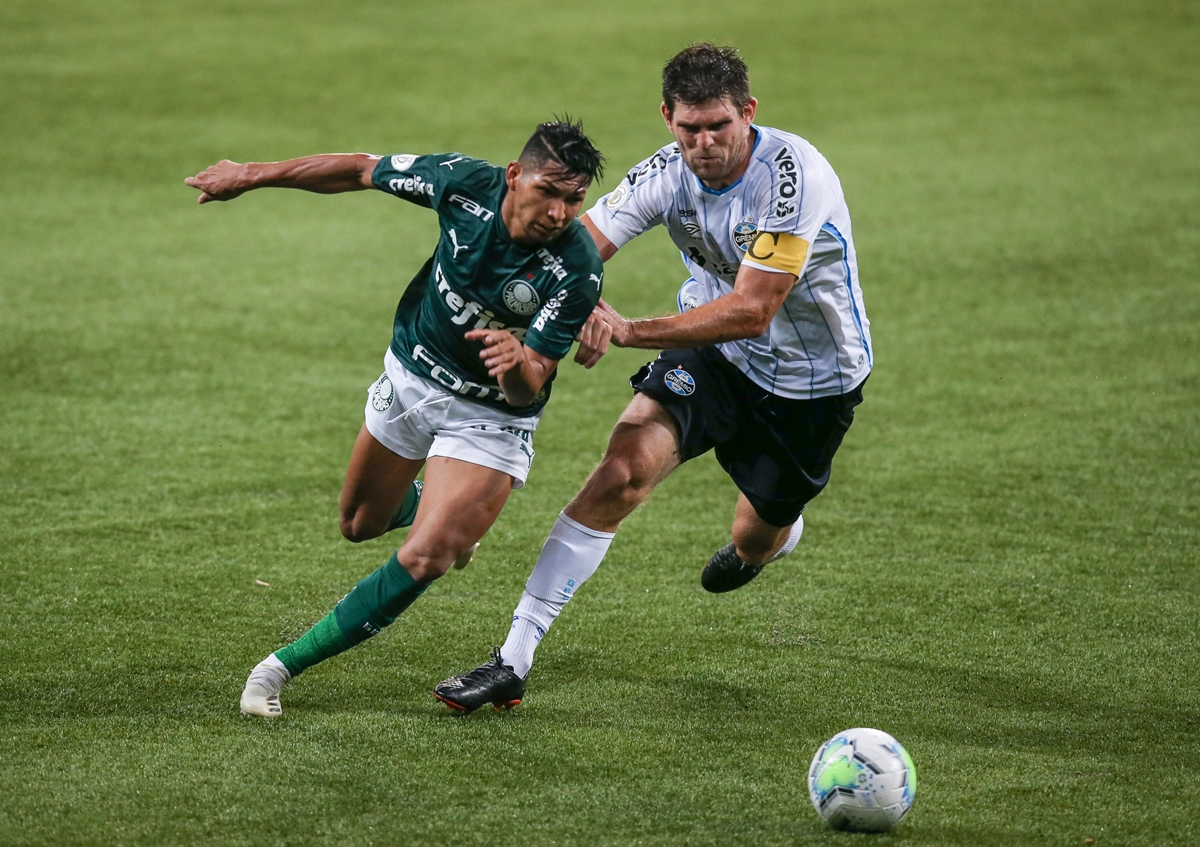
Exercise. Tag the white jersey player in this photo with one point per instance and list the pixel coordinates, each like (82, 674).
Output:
(764, 365)
(818, 344)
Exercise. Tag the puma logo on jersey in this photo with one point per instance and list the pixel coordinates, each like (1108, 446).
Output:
(457, 246)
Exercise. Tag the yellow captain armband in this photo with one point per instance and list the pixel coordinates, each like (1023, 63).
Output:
(779, 250)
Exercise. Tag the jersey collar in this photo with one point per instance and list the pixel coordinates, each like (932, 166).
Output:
(717, 192)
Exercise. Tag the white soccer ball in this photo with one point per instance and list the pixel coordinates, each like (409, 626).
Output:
(862, 780)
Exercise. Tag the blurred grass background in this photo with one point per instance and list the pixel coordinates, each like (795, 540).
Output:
(1002, 573)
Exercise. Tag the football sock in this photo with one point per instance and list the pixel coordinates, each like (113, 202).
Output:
(407, 512)
(371, 605)
(792, 540)
(571, 555)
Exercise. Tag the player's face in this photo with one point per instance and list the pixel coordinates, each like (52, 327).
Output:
(713, 137)
(541, 202)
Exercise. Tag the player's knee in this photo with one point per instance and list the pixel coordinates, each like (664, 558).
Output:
(428, 561)
(356, 528)
(621, 478)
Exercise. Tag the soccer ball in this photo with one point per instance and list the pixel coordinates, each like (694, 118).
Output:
(862, 780)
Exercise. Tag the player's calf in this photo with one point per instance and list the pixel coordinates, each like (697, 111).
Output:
(728, 569)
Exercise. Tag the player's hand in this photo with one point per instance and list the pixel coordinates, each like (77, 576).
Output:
(593, 340)
(501, 350)
(621, 329)
(222, 181)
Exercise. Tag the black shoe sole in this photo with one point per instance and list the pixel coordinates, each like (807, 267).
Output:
(458, 707)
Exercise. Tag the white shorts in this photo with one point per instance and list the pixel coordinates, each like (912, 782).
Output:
(416, 418)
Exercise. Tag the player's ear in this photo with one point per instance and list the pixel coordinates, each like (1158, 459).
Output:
(511, 174)
(666, 113)
(749, 109)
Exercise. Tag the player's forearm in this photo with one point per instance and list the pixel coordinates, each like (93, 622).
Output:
(328, 173)
(522, 384)
(729, 318)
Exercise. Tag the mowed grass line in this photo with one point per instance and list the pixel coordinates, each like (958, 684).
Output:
(1002, 573)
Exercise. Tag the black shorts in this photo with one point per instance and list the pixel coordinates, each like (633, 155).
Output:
(778, 451)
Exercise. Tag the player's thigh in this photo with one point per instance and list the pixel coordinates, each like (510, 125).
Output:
(642, 451)
(459, 504)
(647, 436)
(377, 479)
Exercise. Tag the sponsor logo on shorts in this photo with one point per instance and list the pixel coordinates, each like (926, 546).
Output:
(744, 234)
(617, 199)
(403, 162)
(680, 381)
(382, 394)
(521, 297)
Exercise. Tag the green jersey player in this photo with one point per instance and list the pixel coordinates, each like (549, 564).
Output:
(476, 340)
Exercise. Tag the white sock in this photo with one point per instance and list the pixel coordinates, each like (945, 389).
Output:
(570, 555)
(268, 677)
(792, 540)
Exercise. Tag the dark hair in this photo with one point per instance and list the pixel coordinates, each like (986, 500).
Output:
(705, 72)
(562, 142)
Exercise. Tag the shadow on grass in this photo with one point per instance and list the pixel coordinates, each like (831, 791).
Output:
(1080, 716)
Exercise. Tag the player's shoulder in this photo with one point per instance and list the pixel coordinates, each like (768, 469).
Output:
(664, 162)
(578, 248)
(444, 167)
(468, 172)
(772, 141)
(787, 169)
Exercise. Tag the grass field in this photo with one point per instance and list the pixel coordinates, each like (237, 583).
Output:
(1003, 573)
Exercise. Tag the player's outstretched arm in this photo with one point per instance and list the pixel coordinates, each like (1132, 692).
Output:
(520, 371)
(328, 173)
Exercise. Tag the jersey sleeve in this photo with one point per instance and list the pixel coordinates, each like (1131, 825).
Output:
(419, 179)
(554, 329)
(637, 204)
(792, 208)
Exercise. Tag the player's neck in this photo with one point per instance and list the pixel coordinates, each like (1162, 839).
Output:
(740, 170)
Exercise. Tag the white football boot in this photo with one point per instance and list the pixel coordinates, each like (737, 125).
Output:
(261, 694)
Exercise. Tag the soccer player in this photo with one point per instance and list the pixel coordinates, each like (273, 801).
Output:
(476, 340)
(765, 362)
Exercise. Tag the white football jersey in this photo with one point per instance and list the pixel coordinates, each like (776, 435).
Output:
(819, 342)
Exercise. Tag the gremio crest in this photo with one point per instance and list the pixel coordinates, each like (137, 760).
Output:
(744, 234)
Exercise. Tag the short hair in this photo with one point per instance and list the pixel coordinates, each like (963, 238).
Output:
(705, 72)
(562, 142)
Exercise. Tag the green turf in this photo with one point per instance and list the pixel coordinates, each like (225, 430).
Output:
(1002, 573)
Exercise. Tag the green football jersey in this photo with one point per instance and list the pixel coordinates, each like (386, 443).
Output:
(479, 278)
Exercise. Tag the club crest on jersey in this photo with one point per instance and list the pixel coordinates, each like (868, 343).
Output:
(680, 381)
(617, 199)
(521, 297)
(744, 234)
(382, 394)
(403, 162)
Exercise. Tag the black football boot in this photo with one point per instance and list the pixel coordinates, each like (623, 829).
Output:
(492, 682)
(726, 571)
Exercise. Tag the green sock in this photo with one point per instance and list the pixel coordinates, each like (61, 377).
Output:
(371, 605)
(407, 512)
